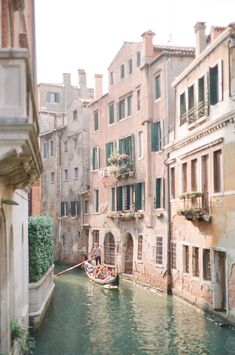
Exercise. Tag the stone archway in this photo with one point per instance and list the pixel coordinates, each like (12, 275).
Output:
(109, 249)
(4, 321)
(128, 253)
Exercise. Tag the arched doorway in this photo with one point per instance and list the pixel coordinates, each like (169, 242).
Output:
(109, 249)
(128, 253)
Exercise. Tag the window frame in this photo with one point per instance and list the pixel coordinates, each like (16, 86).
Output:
(157, 87)
(140, 248)
(159, 250)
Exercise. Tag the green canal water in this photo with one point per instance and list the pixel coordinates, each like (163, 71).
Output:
(88, 320)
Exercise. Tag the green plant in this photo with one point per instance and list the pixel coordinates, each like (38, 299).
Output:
(21, 334)
(190, 195)
(40, 246)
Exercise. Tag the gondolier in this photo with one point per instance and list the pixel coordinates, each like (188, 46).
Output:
(96, 252)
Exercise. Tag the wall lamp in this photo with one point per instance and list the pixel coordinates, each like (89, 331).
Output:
(9, 202)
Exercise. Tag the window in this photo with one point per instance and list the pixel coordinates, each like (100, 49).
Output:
(194, 175)
(130, 66)
(157, 87)
(111, 113)
(109, 150)
(53, 97)
(127, 196)
(76, 173)
(206, 264)
(86, 206)
(66, 175)
(217, 162)
(75, 143)
(201, 89)
(195, 261)
(138, 99)
(184, 177)
(52, 177)
(121, 109)
(75, 115)
(138, 58)
(140, 144)
(182, 108)
(111, 78)
(95, 237)
(139, 196)
(75, 208)
(190, 97)
(129, 105)
(173, 255)
(159, 194)
(96, 120)
(44, 150)
(51, 148)
(155, 136)
(64, 209)
(172, 186)
(159, 250)
(140, 247)
(65, 146)
(119, 198)
(95, 158)
(122, 71)
(127, 146)
(96, 201)
(186, 259)
(232, 70)
(214, 85)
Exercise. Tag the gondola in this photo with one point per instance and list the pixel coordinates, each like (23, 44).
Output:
(110, 281)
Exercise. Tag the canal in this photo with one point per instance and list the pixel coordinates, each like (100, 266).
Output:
(88, 320)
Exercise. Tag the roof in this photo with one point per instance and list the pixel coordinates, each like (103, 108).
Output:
(175, 50)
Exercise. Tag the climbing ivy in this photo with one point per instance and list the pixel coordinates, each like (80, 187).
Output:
(40, 246)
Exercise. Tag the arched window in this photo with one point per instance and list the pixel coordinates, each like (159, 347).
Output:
(109, 249)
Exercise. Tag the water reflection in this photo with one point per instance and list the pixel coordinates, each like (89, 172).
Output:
(86, 319)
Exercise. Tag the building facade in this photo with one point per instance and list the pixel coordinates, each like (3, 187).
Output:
(64, 139)
(201, 169)
(128, 129)
(20, 161)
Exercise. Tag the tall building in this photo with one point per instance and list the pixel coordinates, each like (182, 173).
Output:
(64, 139)
(129, 127)
(201, 168)
(20, 161)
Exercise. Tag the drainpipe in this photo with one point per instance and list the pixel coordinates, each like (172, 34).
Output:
(169, 236)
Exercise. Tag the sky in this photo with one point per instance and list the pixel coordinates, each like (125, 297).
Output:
(87, 34)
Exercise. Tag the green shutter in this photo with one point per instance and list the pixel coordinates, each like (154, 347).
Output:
(128, 197)
(62, 209)
(119, 198)
(138, 196)
(108, 152)
(94, 159)
(214, 85)
(155, 136)
(158, 192)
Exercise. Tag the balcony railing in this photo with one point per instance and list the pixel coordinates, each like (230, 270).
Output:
(195, 113)
(122, 165)
(195, 206)
(20, 160)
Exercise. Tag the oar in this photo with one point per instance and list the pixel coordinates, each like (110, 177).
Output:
(72, 267)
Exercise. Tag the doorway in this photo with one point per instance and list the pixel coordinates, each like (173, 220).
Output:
(219, 294)
(109, 249)
(128, 254)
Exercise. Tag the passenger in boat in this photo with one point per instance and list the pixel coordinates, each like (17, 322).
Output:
(96, 252)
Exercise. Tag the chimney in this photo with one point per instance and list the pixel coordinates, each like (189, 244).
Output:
(98, 86)
(82, 83)
(67, 79)
(200, 31)
(148, 43)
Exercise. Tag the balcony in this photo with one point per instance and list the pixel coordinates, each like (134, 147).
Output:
(196, 113)
(121, 165)
(127, 215)
(195, 206)
(20, 160)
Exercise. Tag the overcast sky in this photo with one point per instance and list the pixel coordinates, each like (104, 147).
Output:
(87, 34)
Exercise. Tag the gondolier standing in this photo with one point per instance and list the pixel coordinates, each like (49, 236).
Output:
(96, 252)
